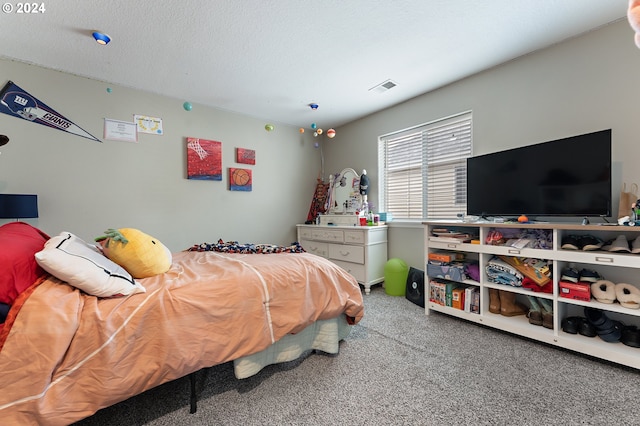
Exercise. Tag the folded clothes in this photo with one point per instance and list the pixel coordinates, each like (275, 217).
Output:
(500, 272)
(533, 286)
(500, 265)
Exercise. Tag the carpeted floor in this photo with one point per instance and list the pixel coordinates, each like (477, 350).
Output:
(400, 367)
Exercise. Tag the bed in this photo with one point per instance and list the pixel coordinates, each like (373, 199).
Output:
(65, 354)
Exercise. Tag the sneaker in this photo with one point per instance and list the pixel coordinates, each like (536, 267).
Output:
(620, 244)
(570, 274)
(635, 246)
(589, 276)
(570, 242)
(589, 243)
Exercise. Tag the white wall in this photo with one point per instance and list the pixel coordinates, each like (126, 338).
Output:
(86, 187)
(582, 85)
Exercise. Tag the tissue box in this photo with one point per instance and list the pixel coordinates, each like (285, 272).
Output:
(385, 217)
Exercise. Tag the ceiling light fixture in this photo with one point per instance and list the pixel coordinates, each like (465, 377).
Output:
(101, 38)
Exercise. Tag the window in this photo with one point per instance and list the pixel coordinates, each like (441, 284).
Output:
(423, 170)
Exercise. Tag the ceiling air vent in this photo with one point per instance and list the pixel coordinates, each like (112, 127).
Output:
(384, 86)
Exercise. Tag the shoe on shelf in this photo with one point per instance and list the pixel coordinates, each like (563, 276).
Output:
(590, 243)
(509, 307)
(614, 335)
(535, 311)
(620, 244)
(608, 330)
(585, 328)
(635, 246)
(547, 312)
(570, 274)
(494, 300)
(604, 291)
(570, 242)
(628, 295)
(589, 276)
(570, 325)
(631, 336)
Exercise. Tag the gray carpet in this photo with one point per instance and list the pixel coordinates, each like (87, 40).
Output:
(400, 367)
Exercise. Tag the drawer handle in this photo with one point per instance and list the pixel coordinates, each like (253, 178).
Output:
(344, 254)
(604, 259)
(513, 251)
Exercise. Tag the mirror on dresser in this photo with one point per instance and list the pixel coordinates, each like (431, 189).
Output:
(344, 200)
(344, 197)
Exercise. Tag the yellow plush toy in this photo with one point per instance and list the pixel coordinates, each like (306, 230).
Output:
(138, 253)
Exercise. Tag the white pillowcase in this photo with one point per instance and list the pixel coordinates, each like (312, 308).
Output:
(83, 266)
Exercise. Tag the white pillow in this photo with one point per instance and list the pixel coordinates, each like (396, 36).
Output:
(83, 266)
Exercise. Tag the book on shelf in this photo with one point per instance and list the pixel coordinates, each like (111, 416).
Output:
(451, 239)
(468, 294)
(475, 301)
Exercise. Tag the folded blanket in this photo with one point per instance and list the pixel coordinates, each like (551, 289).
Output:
(500, 272)
(235, 247)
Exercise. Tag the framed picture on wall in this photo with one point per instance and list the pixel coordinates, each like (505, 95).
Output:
(240, 179)
(204, 159)
(245, 156)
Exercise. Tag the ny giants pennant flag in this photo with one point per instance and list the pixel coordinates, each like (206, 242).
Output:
(18, 103)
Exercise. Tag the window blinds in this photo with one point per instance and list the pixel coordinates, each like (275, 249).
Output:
(423, 169)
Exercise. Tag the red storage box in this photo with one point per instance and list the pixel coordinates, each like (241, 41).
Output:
(578, 291)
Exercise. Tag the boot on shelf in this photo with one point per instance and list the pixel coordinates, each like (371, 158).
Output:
(547, 312)
(494, 301)
(508, 305)
(535, 311)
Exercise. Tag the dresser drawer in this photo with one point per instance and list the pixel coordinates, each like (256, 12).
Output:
(355, 269)
(346, 253)
(355, 237)
(315, 247)
(331, 235)
(305, 234)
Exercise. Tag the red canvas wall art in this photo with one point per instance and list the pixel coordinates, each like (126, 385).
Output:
(240, 179)
(245, 156)
(204, 159)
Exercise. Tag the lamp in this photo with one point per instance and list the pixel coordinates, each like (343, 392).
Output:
(101, 38)
(18, 206)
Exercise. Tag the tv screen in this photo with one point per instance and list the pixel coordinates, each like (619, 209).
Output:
(564, 177)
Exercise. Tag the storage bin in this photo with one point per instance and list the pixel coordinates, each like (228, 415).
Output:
(450, 271)
(396, 272)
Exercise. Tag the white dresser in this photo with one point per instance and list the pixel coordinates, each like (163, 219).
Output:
(360, 250)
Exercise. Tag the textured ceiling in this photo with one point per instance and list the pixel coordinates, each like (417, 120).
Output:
(271, 58)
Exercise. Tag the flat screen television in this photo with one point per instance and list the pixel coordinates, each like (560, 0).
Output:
(564, 177)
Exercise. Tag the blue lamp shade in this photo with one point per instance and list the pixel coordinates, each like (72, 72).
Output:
(18, 206)
(101, 38)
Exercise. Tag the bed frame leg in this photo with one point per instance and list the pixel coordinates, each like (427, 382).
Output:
(194, 397)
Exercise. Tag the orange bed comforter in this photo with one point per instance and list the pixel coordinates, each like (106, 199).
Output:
(66, 354)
